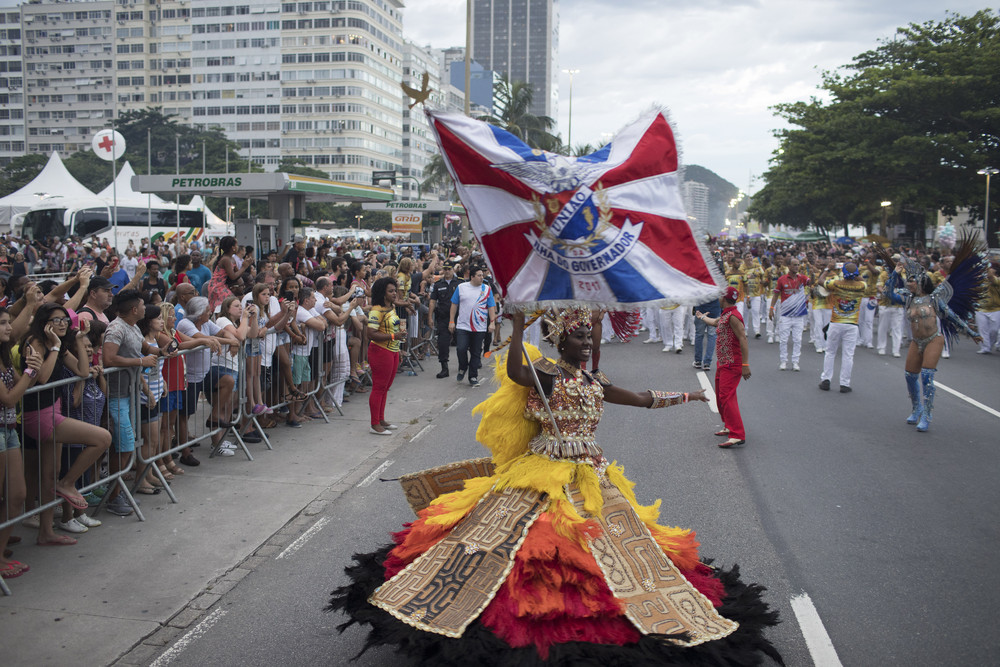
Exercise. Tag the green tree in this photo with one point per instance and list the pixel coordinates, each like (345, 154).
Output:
(910, 121)
(512, 112)
(20, 171)
(437, 178)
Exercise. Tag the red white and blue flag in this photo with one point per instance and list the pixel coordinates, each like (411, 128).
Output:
(606, 230)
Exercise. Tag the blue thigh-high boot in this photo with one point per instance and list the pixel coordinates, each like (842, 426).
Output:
(911, 386)
(927, 380)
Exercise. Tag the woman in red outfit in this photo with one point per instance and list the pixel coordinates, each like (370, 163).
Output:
(732, 355)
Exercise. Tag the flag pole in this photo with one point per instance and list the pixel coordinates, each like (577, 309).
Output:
(149, 195)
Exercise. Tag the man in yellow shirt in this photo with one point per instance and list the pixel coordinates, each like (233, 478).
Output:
(866, 319)
(890, 316)
(755, 283)
(844, 300)
(988, 312)
(817, 299)
(734, 279)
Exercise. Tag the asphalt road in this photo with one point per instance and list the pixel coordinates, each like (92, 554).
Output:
(890, 533)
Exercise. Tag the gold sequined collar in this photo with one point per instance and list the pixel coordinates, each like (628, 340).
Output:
(575, 371)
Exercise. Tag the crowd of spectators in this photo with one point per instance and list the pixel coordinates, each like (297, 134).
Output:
(176, 326)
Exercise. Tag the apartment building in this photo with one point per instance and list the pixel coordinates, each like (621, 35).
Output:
(314, 81)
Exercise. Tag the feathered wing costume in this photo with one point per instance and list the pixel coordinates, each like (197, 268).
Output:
(955, 298)
(529, 559)
(954, 302)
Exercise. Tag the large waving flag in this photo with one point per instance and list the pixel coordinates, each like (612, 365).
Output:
(606, 230)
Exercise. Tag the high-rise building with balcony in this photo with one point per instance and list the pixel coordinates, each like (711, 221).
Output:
(695, 198)
(520, 38)
(315, 81)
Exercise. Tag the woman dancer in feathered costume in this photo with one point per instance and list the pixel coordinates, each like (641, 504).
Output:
(544, 556)
(952, 303)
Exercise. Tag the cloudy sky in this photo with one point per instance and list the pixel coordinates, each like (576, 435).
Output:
(718, 65)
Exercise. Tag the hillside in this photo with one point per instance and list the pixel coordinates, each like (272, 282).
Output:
(720, 192)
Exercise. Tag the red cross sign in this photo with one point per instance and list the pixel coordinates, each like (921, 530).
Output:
(108, 145)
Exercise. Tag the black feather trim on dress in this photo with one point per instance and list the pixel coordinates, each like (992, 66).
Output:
(478, 646)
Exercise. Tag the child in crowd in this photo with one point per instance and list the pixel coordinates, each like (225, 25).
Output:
(173, 398)
(85, 401)
(151, 390)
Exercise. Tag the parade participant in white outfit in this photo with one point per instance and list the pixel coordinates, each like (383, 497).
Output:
(866, 318)
(791, 315)
(672, 328)
(650, 320)
(890, 317)
(988, 312)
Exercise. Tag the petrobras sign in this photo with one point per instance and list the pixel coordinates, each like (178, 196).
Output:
(429, 206)
(215, 183)
(407, 222)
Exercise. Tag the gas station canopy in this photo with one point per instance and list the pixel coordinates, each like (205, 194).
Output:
(286, 194)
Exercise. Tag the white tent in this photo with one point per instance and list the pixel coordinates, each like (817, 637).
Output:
(54, 179)
(215, 227)
(123, 192)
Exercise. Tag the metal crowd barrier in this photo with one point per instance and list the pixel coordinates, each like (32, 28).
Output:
(325, 382)
(111, 481)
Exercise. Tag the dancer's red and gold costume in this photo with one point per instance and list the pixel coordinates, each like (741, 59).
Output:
(544, 556)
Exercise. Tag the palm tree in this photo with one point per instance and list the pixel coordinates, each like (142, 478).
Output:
(436, 177)
(512, 106)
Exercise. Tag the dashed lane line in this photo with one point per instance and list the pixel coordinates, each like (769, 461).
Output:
(196, 632)
(374, 474)
(706, 384)
(817, 640)
(303, 538)
(967, 399)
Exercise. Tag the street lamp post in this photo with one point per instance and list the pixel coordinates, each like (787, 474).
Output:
(987, 172)
(569, 132)
(884, 227)
(358, 218)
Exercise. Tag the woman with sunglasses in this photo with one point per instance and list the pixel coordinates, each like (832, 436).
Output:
(60, 347)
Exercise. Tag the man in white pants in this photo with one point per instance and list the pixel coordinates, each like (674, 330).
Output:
(791, 315)
(651, 320)
(672, 328)
(754, 282)
(866, 318)
(890, 317)
(988, 312)
(821, 311)
(844, 300)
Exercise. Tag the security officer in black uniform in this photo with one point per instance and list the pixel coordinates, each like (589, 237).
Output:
(440, 310)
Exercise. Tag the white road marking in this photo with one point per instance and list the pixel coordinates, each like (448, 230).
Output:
(817, 640)
(182, 643)
(454, 405)
(303, 538)
(422, 431)
(375, 473)
(967, 399)
(706, 384)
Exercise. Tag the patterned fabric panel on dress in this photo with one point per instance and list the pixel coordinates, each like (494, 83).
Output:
(450, 584)
(576, 404)
(658, 598)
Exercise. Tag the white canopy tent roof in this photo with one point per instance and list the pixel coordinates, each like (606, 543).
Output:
(215, 226)
(122, 190)
(54, 179)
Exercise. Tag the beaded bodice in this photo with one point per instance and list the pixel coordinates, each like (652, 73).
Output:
(576, 404)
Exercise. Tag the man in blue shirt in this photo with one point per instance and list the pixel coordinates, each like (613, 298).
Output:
(198, 274)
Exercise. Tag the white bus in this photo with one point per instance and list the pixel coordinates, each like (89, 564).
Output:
(58, 216)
